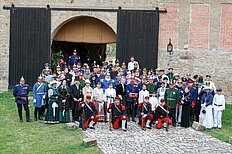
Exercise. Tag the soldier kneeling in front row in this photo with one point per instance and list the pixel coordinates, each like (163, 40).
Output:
(118, 112)
(161, 115)
(144, 113)
(88, 114)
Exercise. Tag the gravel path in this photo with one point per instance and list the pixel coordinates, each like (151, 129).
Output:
(136, 141)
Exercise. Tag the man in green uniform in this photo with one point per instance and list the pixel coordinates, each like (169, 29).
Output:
(171, 97)
(170, 74)
(151, 87)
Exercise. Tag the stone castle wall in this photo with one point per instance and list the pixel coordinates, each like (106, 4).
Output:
(201, 32)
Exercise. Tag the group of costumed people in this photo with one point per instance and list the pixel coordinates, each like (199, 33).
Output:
(118, 94)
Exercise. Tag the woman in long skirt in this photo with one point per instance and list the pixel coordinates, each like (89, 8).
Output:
(52, 116)
(64, 95)
(206, 107)
(186, 101)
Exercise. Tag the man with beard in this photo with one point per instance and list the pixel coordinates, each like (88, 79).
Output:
(76, 97)
(106, 81)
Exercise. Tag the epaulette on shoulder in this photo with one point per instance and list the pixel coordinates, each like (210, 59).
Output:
(123, 108)
(16, 85)
(25, 84)
(69, 57)
(111, 104)
(140, 104)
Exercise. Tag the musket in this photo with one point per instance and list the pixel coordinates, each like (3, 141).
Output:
(167, 120)
(83, 118)
(143, 119)
(167, 114)
(110, 118)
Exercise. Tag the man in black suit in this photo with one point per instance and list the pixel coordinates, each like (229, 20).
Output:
(200, 92)
(76, 98)
(121, 91)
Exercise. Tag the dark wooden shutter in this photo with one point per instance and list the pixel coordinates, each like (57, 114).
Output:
(137, 35)
(30, 30)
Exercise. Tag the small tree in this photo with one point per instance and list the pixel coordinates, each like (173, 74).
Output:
(56, 56)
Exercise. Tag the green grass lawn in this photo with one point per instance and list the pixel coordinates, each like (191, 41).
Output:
(36, 137)
(226, 132)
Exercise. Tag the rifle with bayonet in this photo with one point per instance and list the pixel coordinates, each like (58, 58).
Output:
(83, 117)
(110, 117)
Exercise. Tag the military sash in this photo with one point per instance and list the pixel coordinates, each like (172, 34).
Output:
(145, 107)
(39, 87)
(89, 107)
(118, 109)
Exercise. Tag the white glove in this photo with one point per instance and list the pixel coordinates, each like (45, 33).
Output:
(34, 100)
(43, 96)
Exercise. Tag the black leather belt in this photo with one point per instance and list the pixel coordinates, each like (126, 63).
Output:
(217, 105)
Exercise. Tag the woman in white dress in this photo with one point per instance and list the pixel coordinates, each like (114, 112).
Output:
(206, 108)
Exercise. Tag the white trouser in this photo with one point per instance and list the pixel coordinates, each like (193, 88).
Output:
(91, 123)
(217, 118)
(178, 114)
(123, 124)
(100, 106)
(148, 123)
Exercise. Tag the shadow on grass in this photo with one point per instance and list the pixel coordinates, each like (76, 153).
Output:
(225, 133)
(36, 137)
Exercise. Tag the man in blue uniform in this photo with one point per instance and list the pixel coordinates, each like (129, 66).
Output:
(73, 59)
(193, 92)
(20, 93)
(132, 91)
(39, 95)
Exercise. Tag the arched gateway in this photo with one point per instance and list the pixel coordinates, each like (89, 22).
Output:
(88, 35)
